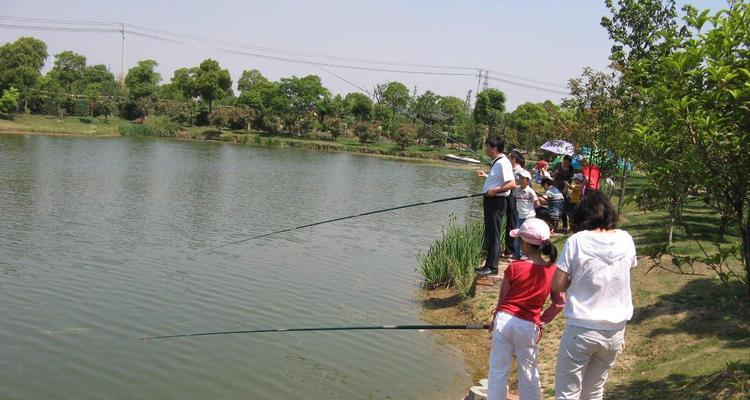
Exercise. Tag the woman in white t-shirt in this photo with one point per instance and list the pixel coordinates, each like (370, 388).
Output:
(594, 270)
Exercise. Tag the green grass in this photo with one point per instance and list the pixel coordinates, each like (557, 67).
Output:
(689, 337)
(451, 260)
(66, 125)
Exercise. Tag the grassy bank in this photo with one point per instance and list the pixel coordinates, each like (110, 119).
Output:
(84, 126)
(26, 123)
(689, 337)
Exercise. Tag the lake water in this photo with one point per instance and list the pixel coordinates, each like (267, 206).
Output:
(97, 248)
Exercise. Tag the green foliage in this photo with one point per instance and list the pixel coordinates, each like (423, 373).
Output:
(533, 124)
(68, 68)
(20, 64)
(695, 121)
(160, 126)
(9, 101)
(404, 135)
(211, 82)
(336, 126)
(359, 105)
(489, 108)
(231, 117)
(142, 80)
(181, 112)
(366, 132)
(451, 260)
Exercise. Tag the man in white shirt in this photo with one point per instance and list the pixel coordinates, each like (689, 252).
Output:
(497, 187)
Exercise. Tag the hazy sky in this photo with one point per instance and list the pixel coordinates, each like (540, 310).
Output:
(547, 41)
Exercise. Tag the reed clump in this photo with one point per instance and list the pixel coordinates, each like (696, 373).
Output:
(451, 260)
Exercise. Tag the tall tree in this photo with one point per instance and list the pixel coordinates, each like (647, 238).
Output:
(142, 80)
(489, 109)
(359, 105)
(68, 68)
(250, 79)
(20, 65)
(698, 99)
(211, 82)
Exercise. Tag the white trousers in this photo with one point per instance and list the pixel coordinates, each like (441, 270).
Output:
(584, 360)
(513, 335)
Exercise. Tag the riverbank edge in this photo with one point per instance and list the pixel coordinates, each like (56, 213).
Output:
(272, 141)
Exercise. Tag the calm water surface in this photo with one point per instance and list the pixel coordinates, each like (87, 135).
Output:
(96, 244)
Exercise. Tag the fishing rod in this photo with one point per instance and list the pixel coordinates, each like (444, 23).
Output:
(326, 329)
(339, 219)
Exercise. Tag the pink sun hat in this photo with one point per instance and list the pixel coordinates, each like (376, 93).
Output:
(533, 231)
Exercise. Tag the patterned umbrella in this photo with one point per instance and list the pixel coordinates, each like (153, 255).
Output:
(559, 147)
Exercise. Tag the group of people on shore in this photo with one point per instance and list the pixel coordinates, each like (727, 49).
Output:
(589, 279)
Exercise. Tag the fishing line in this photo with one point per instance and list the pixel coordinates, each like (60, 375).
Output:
(332, 328)
(338, 219)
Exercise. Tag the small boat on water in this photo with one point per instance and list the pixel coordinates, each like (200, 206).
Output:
(459, 159)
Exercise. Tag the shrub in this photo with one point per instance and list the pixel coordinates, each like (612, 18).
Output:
(179, 111)
(231, 117)
(365, 132)
(451, 260)
(404, 135)
(9, 101)
(160, 126)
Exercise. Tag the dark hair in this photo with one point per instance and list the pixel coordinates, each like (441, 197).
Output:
(496, 142)
(547, 181)
(567, 158)
(516, 155)
(546, 248)
(594, 211)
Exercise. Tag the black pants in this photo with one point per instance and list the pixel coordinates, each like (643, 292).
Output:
(510, 223)
(494, 211)
(566, 208)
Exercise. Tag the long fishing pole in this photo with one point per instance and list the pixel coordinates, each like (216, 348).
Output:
(339, 219)
(325, 329)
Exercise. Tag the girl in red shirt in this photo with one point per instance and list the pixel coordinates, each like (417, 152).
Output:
(518, 319)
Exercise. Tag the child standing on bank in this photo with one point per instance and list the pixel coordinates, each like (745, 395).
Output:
(518, 319)
(526, 202)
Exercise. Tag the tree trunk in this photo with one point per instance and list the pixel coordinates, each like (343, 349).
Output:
(623, 179)
(745, 233)
(671, 229)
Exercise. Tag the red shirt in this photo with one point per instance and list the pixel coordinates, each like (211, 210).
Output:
(591, 173)
(528, 286)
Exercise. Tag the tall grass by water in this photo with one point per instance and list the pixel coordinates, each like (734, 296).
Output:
(159, 126)
(451, 260)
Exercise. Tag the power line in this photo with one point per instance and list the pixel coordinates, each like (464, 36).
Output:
(523, 78)
(56, 29)
(287, 59)
(181, 37)
(527, 85)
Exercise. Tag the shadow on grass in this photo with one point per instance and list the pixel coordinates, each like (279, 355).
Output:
(709, 309)
(731, 382)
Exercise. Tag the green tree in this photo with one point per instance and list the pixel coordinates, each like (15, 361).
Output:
(302, 96)
(20, 64)
(211, 82)
(68, 68)
(533, 124)
(489, 109)
(250, 79)
(9, 101)
(359, 106)
(698, 98)
(142, 80)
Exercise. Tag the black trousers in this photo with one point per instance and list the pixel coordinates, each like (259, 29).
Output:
(510, 223)
(494, 212)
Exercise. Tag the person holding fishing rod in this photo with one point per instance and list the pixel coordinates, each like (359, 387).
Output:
(498, 184)
(518, 319)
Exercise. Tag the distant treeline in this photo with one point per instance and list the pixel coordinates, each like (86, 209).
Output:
(205, 95)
